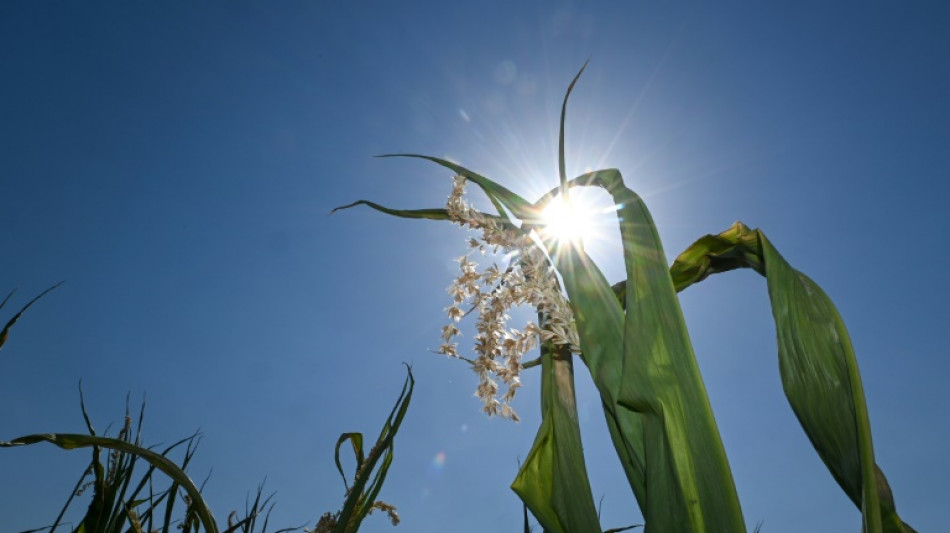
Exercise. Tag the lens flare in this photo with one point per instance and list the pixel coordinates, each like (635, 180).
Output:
(567, 221)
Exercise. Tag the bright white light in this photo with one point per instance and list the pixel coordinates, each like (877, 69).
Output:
(567, 221)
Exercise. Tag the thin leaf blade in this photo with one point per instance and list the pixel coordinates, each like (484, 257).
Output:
(500, 196)
(5, 332)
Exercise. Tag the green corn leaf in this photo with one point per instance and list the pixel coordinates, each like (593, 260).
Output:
(817, 364)
(499, 195)
(737, 247)
(172, 491)
(810, 333)
(663, 429)
(553, 481)
(599, 319)
(561, 167)
(5, 332)
(356, 441)
(360, 500)
(377, 484)
(7, 298)
(688, 481)
(431, 214)
(428, 214)
(69, 441)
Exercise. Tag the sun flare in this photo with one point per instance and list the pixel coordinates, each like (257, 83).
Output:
(567, 221)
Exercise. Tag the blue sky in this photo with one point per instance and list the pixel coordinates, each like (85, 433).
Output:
(175, 164)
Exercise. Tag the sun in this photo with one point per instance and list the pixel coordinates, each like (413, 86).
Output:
(567, 221)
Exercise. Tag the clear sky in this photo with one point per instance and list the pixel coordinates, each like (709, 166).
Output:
(175, 164)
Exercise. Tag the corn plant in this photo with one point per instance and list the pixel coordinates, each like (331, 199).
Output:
(370, 472)
(632, 338)
(123, 498)
(127, 500)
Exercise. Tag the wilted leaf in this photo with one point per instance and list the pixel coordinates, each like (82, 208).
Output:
(817, 364)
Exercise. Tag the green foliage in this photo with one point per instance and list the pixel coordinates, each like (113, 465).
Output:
(552, 482)
(817, 364)
(370, 472)
(125, 499)
(120, 503)
(634, 342)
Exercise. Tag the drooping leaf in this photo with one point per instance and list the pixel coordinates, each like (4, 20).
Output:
(817, 364)
(356, 441)
(599, 319)
(737, 247)
(70, 441)
(689, 485)
(553, 480)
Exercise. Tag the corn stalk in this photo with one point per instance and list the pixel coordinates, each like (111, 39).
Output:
(634, 342)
